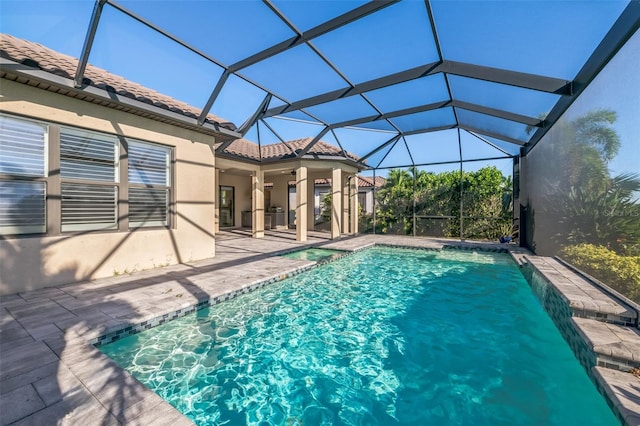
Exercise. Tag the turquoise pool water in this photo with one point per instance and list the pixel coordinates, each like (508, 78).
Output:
(313, 254)
(382, 337)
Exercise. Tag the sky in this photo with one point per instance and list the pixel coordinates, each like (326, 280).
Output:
(551, 38)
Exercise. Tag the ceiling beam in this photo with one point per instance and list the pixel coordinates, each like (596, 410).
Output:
(212, 98)
(518, 118)
(314, 141)
(440, 163)
(380, 147)
(488, 142)
(399, 113)
(496, 75)
(625, 26)
(511, 78)
(377, 83)
(88, 42)
(325, 27)
(493, 134)
(530, 121)
(257, 115)
(429, 130)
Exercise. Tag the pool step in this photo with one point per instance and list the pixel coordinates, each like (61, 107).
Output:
(616, 347)
(584, 298)
(621, 392)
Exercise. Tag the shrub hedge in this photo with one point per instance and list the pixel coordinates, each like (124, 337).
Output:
(622, 273)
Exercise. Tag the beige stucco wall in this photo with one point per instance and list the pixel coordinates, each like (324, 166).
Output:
(28, 263)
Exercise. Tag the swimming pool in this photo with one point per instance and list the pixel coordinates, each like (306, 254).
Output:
(384, 336)
(313, 254)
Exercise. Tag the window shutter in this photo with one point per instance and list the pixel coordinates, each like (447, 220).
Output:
(148, 207)
(22, 147)
(149, 179)
(148, 164)
(22, 207)
(88, 156)
(23, 155)
(88, 207)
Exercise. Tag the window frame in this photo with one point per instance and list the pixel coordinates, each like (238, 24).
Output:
(53, 182)
(44, 178)
(115, 184)
(169, 186)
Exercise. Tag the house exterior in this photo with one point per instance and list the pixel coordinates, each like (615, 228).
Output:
(111, 177)
(367, 186)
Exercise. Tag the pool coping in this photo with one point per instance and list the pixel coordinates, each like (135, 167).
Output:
(80, 366)
(606, 329)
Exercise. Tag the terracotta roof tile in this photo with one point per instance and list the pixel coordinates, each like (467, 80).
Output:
(363, 181)
(248, 149)
(367, 181)
(243, 148)
(35, 55)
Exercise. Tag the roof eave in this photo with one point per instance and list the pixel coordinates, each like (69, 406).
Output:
(210, 128)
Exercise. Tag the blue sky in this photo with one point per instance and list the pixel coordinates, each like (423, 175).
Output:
(551, 38)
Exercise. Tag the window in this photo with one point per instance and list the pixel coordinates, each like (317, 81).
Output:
(22, 171)
(89, 172)
(149, 182)
(362, 201)
(89, 188)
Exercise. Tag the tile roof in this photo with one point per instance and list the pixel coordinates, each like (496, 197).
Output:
(37, 56)
(242, 148)
(363, 181)
(248, 149)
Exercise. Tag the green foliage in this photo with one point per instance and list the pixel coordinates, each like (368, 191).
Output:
(325, 211)
(486, 202)
(582, 203)
(622, 273)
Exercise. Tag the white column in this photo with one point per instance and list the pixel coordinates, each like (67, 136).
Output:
(355, 209)
(336, 203)
(257, 204)
(216, 201)
(345, 203)
(302, 203)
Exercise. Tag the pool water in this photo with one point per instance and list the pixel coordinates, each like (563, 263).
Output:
(385, 336)
(313, 254)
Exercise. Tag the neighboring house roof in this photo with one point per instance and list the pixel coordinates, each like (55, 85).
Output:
(37, 56)
(363, 181)
(282, 150)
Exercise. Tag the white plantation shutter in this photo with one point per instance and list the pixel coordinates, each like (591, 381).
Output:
(23, 156)
(88, 207)
(22, 147)
(93, 158)
(22, 207)
(148, 164)
(148, 207)
(149, 178)
(88, 156)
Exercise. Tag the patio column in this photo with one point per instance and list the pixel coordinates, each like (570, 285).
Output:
(302, 203)
(216, 200)
(336, 203)
(353, 203)
(257, 204)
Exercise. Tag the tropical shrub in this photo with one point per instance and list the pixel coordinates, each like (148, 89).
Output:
(622, 273)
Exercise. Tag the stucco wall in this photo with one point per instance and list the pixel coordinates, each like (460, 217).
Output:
(28, 263)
